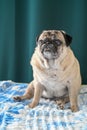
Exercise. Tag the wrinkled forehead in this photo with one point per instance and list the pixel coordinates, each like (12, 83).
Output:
(52, 34)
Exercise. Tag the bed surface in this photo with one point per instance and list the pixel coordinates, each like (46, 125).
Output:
(46, 116)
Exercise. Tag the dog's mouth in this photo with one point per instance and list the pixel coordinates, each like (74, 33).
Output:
(49, 52)
(49, 48)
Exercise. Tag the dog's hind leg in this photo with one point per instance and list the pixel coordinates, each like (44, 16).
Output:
(62, 101)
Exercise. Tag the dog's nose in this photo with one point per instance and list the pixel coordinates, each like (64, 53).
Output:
(47, 49)
(50, 45)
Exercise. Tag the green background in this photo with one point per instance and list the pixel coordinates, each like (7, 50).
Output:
(22, 20)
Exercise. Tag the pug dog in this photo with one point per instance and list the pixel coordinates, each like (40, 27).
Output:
(56, 71)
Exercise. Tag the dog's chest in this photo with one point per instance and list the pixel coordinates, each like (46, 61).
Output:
(53, 86)
(51, 75)
(50, 78)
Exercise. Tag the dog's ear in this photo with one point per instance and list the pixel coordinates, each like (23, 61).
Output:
(37, 40)
(68, 38)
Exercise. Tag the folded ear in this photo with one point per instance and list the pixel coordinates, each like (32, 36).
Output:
(68, 38)
(37, 40)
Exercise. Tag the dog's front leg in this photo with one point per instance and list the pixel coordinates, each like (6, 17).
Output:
(73, 95)
(28, 94)
(38, 89)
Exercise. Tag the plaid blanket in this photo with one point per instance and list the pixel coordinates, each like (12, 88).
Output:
(46, 116)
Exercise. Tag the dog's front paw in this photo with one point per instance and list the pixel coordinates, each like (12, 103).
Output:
(60, 103)
(17, 98)
(31, 105)
(74, 108)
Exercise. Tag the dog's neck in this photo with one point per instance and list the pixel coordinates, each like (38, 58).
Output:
(49, 63)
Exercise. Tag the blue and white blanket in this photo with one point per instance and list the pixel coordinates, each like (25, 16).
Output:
(46, 116)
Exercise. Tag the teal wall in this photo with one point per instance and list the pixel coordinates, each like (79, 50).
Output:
(22, 20)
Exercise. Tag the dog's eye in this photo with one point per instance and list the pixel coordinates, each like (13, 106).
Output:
(41, 41)
(58, 42)
(46, 40)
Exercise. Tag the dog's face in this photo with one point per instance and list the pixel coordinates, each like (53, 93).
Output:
(52, 42)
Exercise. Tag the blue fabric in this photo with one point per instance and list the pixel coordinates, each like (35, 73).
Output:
(46, 116)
